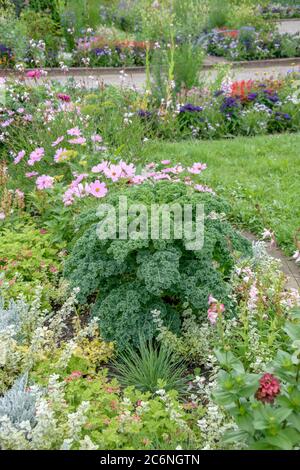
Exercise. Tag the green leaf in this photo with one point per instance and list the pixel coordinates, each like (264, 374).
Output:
(235, 436)
(281, 440)
(292, 330)
(281, 414)
(294, 420)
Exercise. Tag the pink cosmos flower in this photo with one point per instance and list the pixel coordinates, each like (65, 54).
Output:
(19, 157)
(166, 162)
(78, 141)
(127, 170)
(60, 155)
(74, 132)
(44, 182)
(36, 74)
(161, 176)
(114, 172)
(197, 168)
(78, 179)
(31, 174)
(57, 141)
(151, 165)
(138, 179)
(100, 167)
(204, 189)
(36, 156)
(97, 189)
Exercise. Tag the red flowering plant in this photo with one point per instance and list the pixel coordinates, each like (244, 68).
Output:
(265, 406)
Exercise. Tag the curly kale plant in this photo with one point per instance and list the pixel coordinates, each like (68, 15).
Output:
(127, 279)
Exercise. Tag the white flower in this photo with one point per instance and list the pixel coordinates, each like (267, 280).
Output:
(296, 256)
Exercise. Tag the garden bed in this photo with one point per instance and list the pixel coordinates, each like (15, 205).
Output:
(135, 313)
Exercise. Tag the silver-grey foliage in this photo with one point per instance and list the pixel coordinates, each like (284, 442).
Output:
(19, 403)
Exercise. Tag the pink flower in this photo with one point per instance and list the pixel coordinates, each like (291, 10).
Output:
(151, 165)
(166, 162)
(98, 189)
(100, 168)
(138, 179)
(215, 310)
(78, 141)
(212, 316)
(31, 174)
(63, 97)
(203, 189)
(96, 138)
(36, 156)
(78, 179)
(60, 155)
(57, 141)
(19, 194)
(127, 170)
(197, 168)
(44, 182)
(212, 300)
(34, 74)
(269, 389)
(114, 172)
(19, 157)
(2, 216)
(74, 132)
(7, 123)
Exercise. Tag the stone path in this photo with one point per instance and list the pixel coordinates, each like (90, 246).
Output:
(137, 79)
(289, 267)
(291, 26)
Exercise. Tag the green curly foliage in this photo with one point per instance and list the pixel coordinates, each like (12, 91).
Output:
(128, 279)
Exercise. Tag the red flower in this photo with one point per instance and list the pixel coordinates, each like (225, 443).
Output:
(269, 389)
(241, 89)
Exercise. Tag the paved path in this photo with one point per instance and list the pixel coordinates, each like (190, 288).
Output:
(289, 26)
(138, 79)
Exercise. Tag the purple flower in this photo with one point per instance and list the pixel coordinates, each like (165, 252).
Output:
(190, 108)
(142, 113)
(252, 96)
(228, 104)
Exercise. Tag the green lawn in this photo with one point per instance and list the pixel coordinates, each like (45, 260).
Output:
(259, 176)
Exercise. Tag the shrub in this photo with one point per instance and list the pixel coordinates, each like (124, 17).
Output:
(130, 278)
(41, 27)
(148, 367)
(28, 259)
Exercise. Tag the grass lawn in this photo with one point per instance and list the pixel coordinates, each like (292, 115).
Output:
(259, 176)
